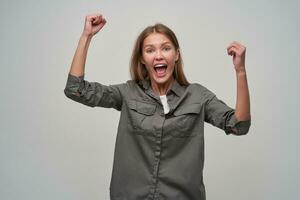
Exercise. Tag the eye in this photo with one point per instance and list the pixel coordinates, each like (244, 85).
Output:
(149, 50)
(167, 48)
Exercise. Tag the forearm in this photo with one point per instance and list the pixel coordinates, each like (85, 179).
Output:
(79, 59)
(242, 110)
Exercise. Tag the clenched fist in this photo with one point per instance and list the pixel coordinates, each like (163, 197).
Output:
(93, 24)
(238, 51)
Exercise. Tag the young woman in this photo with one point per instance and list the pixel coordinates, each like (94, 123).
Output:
(159, 151)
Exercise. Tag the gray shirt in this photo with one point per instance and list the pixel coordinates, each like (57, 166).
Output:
(158, 156)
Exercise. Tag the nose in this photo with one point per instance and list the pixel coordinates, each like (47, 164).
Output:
(158, 55)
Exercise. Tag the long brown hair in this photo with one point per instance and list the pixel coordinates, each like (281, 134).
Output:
(138, 70)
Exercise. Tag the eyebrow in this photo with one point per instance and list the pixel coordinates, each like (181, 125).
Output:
(164, 43)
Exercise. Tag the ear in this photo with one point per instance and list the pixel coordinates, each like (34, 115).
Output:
(177, 55)
(142, 60)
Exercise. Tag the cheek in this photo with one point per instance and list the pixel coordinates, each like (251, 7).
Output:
(143, 59)
(172, 61)
(148, 68)
(171, 69)
(147, 60)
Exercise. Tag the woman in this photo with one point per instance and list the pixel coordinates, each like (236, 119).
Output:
(159, 151)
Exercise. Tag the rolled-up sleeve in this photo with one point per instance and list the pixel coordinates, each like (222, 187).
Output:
(222, 116)
(93, 94)
(236, 127)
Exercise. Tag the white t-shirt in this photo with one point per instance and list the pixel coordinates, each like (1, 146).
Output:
(165, 104)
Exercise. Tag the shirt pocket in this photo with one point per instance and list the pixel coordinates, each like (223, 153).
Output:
(186, 119)
(140, 117)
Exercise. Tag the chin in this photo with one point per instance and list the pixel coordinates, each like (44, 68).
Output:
(162, 80)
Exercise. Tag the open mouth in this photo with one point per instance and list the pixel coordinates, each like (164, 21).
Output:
(160, 69)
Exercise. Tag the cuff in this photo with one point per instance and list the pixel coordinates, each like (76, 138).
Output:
(74, 84)
(236, 127)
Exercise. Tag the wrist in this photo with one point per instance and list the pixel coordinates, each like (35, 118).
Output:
(240, 70)
(241, 75)
(86, 36)
(85, 40)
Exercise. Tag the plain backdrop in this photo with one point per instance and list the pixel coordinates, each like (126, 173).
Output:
(54, 148)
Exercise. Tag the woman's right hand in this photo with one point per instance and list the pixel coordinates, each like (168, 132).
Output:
(93, 24)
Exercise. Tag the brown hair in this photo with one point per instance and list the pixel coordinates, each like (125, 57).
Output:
(138, 70)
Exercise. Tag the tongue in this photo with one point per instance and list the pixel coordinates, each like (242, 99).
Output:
(161, 70)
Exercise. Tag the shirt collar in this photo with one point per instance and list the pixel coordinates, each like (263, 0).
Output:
(176, 87)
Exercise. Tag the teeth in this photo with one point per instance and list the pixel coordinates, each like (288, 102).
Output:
(160, 65)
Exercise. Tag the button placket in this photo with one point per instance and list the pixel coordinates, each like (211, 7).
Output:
(157, 153)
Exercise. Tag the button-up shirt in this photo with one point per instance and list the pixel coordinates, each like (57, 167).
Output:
(158, 156)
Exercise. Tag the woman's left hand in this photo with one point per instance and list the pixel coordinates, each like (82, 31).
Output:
(238, 51)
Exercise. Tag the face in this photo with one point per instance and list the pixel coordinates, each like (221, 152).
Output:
(159, 57)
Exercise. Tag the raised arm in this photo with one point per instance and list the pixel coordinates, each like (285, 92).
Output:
(85, 92)
(93, 24)
(242, 109)
(233, 121)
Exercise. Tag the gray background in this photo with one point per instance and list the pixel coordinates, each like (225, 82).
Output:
(54, 148)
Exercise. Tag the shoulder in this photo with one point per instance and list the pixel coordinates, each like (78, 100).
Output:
(131, 82)
(200, 91)
(129, 86)
(128, 83)
(197, 87)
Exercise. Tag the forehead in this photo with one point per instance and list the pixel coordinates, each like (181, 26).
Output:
(155, 39)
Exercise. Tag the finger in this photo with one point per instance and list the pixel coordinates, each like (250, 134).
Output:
(232, 51)
(238, 49)
(97, 19)
(234, 45)
(92, 17)
(231, 45)
(239, 46)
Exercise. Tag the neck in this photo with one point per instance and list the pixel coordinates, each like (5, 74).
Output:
(162, 89)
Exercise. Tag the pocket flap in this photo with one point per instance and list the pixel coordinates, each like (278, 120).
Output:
(194, 108)
(142, 107)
